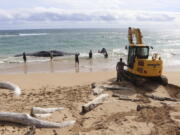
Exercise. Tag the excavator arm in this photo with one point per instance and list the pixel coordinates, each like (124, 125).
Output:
(137, 33)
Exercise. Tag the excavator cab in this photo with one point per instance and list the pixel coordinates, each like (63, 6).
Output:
(141, 52)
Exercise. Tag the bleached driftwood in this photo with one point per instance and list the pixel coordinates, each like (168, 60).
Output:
(10, 86)
(44, 112)
(41, 115)
(172, 104)
(39, 110)
(115, 87)
(159, 98)
(94, 103)
(97, 90)
(26, 119)
(123, 97)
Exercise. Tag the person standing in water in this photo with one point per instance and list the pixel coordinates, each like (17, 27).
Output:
(90, 54)
(105, 55)
(77, 62)
(51, 61)
(51, 55)
(77, 59)
(25, 64)
(24, 57)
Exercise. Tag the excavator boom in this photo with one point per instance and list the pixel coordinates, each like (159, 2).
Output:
(137, 33)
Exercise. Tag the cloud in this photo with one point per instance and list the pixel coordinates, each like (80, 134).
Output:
(57, 17)
(155, 17)
(55, 14)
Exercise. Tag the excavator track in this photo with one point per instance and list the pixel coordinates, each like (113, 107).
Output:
(163, 80)
(138, 80)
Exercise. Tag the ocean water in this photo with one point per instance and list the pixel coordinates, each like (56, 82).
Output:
(12, 42)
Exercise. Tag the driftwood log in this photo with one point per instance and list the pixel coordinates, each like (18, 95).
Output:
(94, 103)
(97, 90)
(26, 119)
(39, 110)
(172, 104)
(123, 97)
(44, 112)
(115, 87)
(159, 98)
(10, 86)
(140, 107)
(41, 115)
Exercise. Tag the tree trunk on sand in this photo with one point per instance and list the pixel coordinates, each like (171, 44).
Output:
(94, 103)
(160, 98)
(97, 90)
(43, 112)
(10, 86)
(126, 98)
(26, 119)
(115, 87)
(39, 110)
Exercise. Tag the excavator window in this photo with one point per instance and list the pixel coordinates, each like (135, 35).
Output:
(131, 56)
(139, 52)
(142, 52)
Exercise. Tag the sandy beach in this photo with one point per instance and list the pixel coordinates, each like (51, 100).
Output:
(114, 116)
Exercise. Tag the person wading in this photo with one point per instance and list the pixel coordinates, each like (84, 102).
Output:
(105, 55)
(90, 54)
(24, 57)
(51, 55)
(25, 64)
(120, 70)
(77, 59)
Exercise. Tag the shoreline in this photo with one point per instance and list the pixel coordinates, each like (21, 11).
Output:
(65, 66)
(69, 79)
(38, 80)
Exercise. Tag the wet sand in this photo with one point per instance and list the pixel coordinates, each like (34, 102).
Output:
(59, 65)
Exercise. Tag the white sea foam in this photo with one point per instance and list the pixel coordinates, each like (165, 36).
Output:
(32, 34)
(172, 62)
(1, 36)
(121, 51)
(22, 34)
(84, 54)
(20, 60)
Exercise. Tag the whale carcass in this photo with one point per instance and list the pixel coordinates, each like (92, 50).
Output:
(54, 53)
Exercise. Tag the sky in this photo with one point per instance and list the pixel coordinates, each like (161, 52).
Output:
(38, 14)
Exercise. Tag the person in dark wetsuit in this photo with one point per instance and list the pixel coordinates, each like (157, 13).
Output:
(24, 57)
(120, 70)
(51, 55)
(106, 55)
(77, 58)
(90, 54)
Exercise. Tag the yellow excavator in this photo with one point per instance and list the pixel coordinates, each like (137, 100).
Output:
(140, 65)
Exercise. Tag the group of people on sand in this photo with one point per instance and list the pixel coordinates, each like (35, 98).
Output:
(119, 67)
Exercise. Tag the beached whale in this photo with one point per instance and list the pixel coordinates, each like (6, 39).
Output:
(54, 53)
